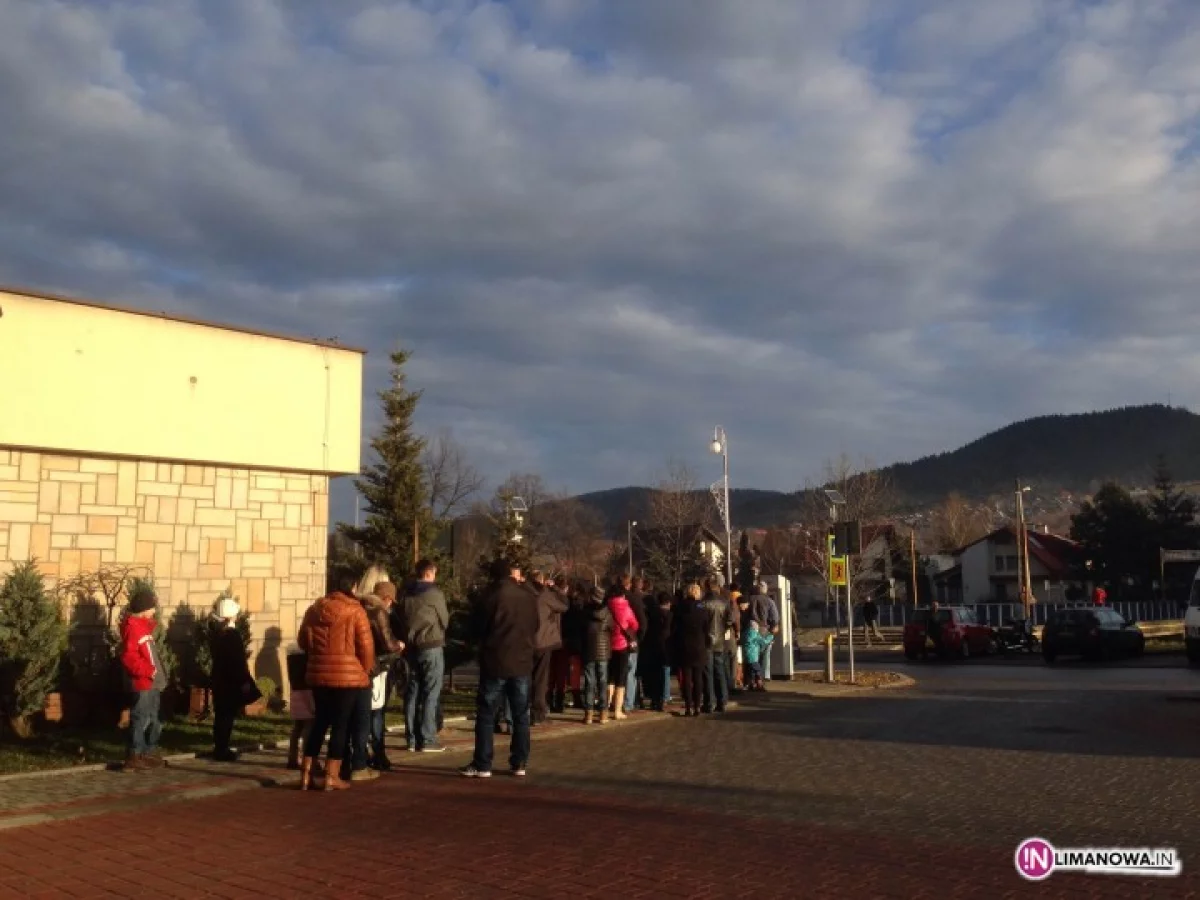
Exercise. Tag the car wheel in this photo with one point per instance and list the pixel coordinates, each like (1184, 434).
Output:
(1193, 656)
(911, 655)
(964, 648)
(1048, 656)
(1139, 648)
(992, 647)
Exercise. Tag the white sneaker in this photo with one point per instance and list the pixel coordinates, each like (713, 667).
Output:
(472, 772)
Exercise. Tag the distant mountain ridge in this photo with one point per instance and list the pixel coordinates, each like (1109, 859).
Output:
(1072, 453)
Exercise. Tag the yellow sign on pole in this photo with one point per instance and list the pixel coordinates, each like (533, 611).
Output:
(837, 571)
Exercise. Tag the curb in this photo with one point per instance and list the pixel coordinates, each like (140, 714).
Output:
(852, 690)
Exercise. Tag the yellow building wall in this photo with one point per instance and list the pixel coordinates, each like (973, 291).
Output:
(83, 379)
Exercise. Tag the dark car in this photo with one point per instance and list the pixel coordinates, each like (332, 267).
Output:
(962, 633)
(1093, 633)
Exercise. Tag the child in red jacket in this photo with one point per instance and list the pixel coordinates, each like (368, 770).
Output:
(147, 680)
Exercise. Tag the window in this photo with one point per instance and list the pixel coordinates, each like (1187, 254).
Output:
(999, 563)
(1012, 563)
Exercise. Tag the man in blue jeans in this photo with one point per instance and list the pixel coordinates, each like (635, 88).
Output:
(720, 623)
(423, 617)
(507, 624)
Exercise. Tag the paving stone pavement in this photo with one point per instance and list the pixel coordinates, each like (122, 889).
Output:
(897, 794)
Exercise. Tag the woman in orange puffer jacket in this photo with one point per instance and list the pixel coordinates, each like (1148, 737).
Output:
(336, 635)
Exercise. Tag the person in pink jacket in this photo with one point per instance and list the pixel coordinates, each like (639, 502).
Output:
(624, 640)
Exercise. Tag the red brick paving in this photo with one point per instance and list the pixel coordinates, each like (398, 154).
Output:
(434, 834)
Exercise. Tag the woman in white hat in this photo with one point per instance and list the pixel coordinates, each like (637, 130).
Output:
(232, 684)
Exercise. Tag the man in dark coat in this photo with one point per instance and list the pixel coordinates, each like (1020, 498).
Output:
(508, 619)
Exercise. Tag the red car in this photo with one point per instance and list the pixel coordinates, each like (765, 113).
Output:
(962, 634)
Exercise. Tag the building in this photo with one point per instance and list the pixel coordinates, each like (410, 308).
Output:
(989, 568)
(197, 454)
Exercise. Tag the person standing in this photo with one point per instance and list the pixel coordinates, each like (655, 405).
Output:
(720, 621)
(596, 642)
(509, 624)
(655, 652)
(765, 612)
(624, 642)
(635, 594)
(379, 604)
(336, 635)
(232, 684)
(567, 665)
(424, 617)
(148, 679)
(870, 617)
(551, 604)
(689, 642)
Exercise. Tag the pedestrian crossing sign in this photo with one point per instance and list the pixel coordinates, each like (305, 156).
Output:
(837, 571)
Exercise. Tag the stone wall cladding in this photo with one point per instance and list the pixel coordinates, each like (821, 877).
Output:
(200, 529)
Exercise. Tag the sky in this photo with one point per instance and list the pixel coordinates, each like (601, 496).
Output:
(603, 227)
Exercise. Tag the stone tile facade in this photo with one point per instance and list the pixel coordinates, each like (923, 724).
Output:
(199, 529)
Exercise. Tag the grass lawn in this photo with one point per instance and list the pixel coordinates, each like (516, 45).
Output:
(57, 748)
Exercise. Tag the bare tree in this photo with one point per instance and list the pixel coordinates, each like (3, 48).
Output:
(956, 523)
(450, 478)
(868, 495)
(572, 534)
(678, 513)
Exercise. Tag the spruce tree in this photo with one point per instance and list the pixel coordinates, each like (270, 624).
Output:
(509, 543)
(1173, 512)
(394, 486)
(33, 640)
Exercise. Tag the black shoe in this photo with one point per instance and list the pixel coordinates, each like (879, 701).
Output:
(228, 756)
(381, 763)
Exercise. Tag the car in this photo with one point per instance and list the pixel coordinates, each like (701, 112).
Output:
(1191, 623)
(962, 633)
(1091, 632)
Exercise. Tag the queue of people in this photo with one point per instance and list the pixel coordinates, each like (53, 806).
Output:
(542, 643)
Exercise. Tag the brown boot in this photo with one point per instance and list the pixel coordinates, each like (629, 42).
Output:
(306, 773)
(333, 779)
(134, 763)
(603, 716)
(619, 704)
(587, 717)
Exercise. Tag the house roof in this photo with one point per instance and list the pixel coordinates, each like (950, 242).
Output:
(1052, 550)
(171, 317)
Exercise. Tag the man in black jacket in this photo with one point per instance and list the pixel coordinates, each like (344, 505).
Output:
(720, 621)
(508, 620)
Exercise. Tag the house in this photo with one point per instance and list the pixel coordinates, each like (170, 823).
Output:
(196, 454)
(990, 568)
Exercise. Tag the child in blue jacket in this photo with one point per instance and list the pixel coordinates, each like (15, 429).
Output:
(755, 644)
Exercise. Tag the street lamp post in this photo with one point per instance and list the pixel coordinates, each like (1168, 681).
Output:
(720, 444)
(629, 530)
(1023, 578)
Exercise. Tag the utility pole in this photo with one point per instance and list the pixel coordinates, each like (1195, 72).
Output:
(1023, 578)
(912, 550)
(629, 531)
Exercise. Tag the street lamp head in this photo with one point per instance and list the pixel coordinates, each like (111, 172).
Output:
(633, 524)
(716, 446)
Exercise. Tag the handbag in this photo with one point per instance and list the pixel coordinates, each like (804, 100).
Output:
(250, 693)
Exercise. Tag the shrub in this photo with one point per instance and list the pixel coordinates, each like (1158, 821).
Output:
(33, 640)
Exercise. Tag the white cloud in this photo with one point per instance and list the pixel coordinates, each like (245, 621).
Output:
(603, 227)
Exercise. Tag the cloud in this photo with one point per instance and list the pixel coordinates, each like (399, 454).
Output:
(602, 228)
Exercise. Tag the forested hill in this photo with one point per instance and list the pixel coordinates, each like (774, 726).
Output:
(1074, 453)
(1071, 452)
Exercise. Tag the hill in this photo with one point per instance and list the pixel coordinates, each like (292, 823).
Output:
(1072, 453)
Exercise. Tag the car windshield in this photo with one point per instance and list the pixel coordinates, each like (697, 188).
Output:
(922, 616)
(1194, 600)
(1110, 618)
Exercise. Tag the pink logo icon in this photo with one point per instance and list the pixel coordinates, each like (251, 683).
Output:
(1035, 859)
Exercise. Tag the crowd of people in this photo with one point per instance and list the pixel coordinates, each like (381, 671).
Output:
(544, 645)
